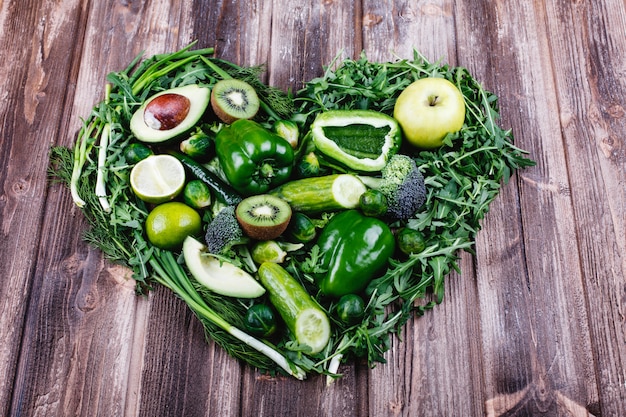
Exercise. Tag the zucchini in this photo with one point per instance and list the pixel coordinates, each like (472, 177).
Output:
(223, 192)
(326, 193)
(303, 316)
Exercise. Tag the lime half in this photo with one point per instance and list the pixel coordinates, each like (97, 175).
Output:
(158, 178)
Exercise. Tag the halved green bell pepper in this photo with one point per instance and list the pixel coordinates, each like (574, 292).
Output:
(355, 248)
(253, 159)
(363, 140)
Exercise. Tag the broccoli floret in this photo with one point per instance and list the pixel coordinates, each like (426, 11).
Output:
(403, 185)
(224, 231)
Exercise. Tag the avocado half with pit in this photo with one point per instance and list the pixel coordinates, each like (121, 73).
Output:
(170, 113)
(218, 275)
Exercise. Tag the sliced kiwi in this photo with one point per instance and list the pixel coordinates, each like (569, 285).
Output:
(263, 216)
(234, 99)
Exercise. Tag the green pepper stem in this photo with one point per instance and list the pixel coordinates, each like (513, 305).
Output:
(267, 170)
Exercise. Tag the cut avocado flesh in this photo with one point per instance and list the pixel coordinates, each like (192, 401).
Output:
(217, 275)
(199, 98)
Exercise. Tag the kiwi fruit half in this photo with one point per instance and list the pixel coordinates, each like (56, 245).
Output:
(263, 216)
(234, 99)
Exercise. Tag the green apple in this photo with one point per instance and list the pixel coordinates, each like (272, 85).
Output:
(427, 110)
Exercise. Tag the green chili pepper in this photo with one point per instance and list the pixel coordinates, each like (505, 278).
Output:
(355, 248)
(253, 158)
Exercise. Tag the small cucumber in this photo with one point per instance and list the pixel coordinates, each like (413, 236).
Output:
(326, 193)
(303, 316)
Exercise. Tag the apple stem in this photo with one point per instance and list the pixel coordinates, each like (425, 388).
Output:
(432, 100)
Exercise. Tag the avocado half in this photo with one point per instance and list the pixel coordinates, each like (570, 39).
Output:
(198, 97)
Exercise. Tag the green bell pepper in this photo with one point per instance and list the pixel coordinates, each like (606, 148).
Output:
(363, 140)
(253, 159)
(355, 248)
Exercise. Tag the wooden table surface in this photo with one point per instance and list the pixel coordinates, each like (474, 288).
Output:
(534, 325)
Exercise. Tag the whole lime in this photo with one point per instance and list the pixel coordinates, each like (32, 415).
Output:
(168, 225)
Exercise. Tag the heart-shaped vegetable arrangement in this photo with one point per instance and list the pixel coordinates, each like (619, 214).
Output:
(312, 229)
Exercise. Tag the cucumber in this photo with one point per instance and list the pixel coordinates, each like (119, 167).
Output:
(222, 191)
(326, 193)
(303, 316)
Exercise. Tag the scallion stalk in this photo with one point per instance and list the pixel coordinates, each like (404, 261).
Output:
(101, 190)
(169, 273)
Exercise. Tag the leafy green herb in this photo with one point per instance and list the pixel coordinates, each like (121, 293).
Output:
(462, 177)
(117, 226)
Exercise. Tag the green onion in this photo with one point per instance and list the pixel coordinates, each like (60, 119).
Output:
(170, 273)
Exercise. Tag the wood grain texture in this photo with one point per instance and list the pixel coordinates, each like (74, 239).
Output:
(535, 335)
(591, 67)
(534, 325)
(34, 53)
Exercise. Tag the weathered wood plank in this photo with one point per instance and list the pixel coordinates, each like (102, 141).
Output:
(393, 28)
(536, 345)
(33, 55)
(307, 36)
(590, 62)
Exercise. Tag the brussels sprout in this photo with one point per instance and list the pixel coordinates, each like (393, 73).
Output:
(288, 130)
(199, 146)
(268, 251)
(350, 309)
(373, 203)
(308, 166)
(301, 228)
(410, 240)
(136, 151)
(197, 194)
(261, 320)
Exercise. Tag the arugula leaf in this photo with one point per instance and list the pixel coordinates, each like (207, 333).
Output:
(463, 177)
